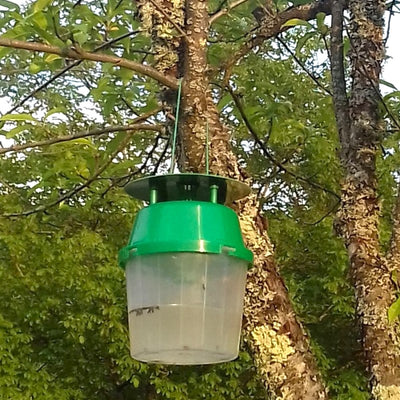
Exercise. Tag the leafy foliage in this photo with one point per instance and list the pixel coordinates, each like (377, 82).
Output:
(63, 324)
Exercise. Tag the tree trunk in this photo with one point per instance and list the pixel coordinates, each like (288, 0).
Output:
(393, 254)
(360, 134)
(277, 340)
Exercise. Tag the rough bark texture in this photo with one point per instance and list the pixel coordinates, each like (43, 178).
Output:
(360, 209)
(341, 102)
(163, 20)
(198, 109)
(393, 255)
(278, 342)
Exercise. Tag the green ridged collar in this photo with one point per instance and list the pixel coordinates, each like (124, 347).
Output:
(185, 226)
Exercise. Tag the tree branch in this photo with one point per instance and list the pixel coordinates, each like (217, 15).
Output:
(393, 254)
(225, 10)
(340, 100)
(94, 132)
(80, 54)
(362, 70)
(122, 180)
(272, 25)
(78, 188)
(303, 67)
(66, 69)
(266, 152)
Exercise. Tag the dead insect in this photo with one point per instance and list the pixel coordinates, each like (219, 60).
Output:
(141, 310)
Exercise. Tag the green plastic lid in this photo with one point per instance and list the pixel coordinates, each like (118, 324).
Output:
(185, 226)
(187, 187)
(186, 215)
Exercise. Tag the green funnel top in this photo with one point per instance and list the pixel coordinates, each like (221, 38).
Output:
(186, 214)
(187, 187)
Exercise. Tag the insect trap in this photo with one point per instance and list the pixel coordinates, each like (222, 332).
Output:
(186, 269)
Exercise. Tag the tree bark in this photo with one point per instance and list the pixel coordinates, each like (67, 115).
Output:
(360, 130)
(277, 340)
(393, 254)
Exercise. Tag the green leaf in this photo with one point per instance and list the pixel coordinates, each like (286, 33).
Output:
(34, 68)
(40, 5)
(84, 141)
(225, 100)
(388, 84)
(135, 382)
(108, 103)
(126, 75)
(322, 27)
(80, 37)
(39, 19)
(297, 22)
(115, 142)
(55, 111)
(346, 46)
(392, 95)
(51, 57)
(5, 51)
(394, 311)
(18, 117)
(11, 133)
(47, 36)
(9, 4)
(303, 40)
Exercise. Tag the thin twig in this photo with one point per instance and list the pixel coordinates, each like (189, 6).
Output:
(329, 212)
(266, 152)
(390, 10)
(328, 50)
(302, 66)
(272, 26)
(340, 99)
(43, 86)
(143, 166)
(117, 181)
(129, 105)
(161, 156)
(219, 8)
(78, 188)
(94, 132)
(118, 4)
(225, 10)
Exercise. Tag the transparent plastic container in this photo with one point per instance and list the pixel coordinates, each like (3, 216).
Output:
(185, 308)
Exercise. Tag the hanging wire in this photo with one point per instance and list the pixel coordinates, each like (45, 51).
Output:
(178, 103)
(207, 162)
